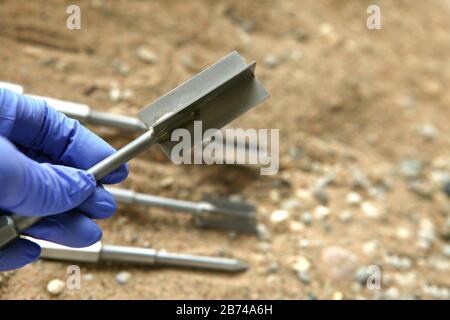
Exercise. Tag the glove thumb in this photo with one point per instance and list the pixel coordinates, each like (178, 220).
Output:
(34, 189)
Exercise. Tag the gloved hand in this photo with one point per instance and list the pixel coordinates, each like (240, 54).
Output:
(43, 155)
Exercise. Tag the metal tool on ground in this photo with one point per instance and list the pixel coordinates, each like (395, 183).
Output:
(134, 255)
(85, 114)
(215, 96)
(218, 213)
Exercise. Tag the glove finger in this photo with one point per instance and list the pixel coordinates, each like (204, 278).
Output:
(114, 177)
(100, 205)
(35, 155)
(71, 229)
(40, 189)
(33, 124)
(18, 254)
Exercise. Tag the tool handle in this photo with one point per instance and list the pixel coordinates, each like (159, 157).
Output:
(12, 226)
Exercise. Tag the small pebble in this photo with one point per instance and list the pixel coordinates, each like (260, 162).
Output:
(370, 210)
(123, 277)
(304, 243)
(55, 287)
(426, 234)
(279, 216)
(403, 233)
(265, 247)
(391, 293)
(272, 268)
(321, 212)
(271, 61)
(290, 204)
(446, 189)
(304, 277)
(322, 196)
(446, 250)
(422, 189)
(428, 131)
(346, 217)
(338, 295)
(399, 263)
(296, 226)
(354, 199)
(146, 55)
(312, 296)
(114, 94)
(88, 277)
(262, 232)
(302, 264)
(411, 168)
(340, 262)
(307, 218)
(361, 275)
(370, 247)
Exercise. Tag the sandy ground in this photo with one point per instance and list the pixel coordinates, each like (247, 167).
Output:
(352, 106)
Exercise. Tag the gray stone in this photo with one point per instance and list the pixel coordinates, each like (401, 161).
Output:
(304, 277)
(411, 168)
(307, 218)
(272, 268)
(346, 217)
(322, 196)
(262, 232)
(446, 250)
(422, 189)
(361, 276)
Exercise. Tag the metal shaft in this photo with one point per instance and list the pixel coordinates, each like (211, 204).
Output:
(153, 257)
(131, 197)
(136, 255)
(85, 114)
(123, 155)
(12, 226)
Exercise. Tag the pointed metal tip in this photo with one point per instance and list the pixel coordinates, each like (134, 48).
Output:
(240, 266)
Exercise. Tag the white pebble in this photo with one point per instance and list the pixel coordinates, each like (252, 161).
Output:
(370, 247)
(55, 287)
(392, 293)
(114, 94)
(354, 199)
(146, 55)
(279, 216)
(302, 264)
(123, 277)
(296, 226)
(403, 233)
(370, 210)
(321, 212)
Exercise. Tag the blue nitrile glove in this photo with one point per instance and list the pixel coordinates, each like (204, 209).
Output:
(40, 151)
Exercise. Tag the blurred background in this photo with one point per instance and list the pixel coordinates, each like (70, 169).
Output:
(364, 141)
